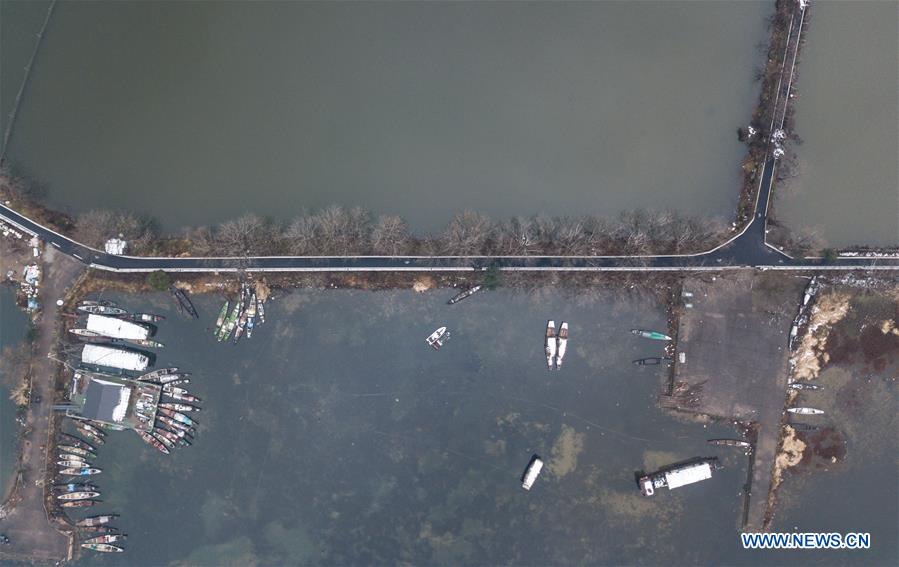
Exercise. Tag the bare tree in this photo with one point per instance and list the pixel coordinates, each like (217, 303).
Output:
(303, 235)
(246, 235)
(467, 234)
(390, 236)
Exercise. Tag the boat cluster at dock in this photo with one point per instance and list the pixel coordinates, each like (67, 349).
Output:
(109, 393)
(247, 313)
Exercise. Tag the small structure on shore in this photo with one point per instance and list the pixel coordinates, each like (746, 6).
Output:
(115, 246)
(121, 403)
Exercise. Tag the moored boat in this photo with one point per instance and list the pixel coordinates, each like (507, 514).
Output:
(83, 424)
(550, 345)
(102, 547)
(654, 335)
(183, 301)
(91, 435)
(152, 441)
(151, 376)
(71, 457)
(72, 449)
(531, 472)
(650, 361)
(72, 464)
(143, 317)
(223, 313)
(79, 503)
(463, 295)
(179, 407)
(176, 416)
(79, 471)
(436, 339)
(106, 538)
(165, 420)
(230, 322)
(730, 442)
(96, 520)
(804, 426)
(85, 333)
(76, 441)
(803, 386)
(165, 441)
(83, 495)
(678, 475)
(805, 411)
(97, 309)
(75, 487)
(185, 397)
(150, 343)
(563, 344)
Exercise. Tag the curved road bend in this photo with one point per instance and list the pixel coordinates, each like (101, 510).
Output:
(747, 249)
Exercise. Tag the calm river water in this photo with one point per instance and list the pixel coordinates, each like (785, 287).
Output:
(847, 114)
(198, 111)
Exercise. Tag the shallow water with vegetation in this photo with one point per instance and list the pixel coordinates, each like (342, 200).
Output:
(336, 436)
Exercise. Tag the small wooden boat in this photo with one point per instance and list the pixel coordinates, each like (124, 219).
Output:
(71, 457)
(72, 464)
(106, 538)
(804, 426)
(261, 307)
(143, 317)
(79, 471)
(79, 503)
(76, 441)
(654, 335)
(221, 318)
(98, 309)
(463, 295)
(184, 303)
(805, 411)
(803, 386)
(102, 547)
(91, 435)
(90, 427)
(165, 441)
(651, 361)
(153, 442)
(177, 416)
(179, 407)
(730, 442)
(85, 333)
(231, 321)
(563, 344)
(436, 339)
(75, 487)
(175, 425)
(184, 397)
(96, 520)
(179, 382)
(83, 495)
(152, 376)
(551, 343)
(72, 449)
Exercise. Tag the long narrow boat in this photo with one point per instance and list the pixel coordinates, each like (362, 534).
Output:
(102, 547)
(436, 339)
(167, 442)
(104, 529)
(804, 426)
(76, 441)
(96, 520)
(91, 435)
(102, 309)
(230, 322)
(182, 397)
(563, 344)
(83, 495)
(654, 335)
(251, 315)
(221, 319)
(71, 457)
(151, 376)
(85, 333)
(73, 450)
(171, 378)
(166, 434)
(177, 416)
(803, 386)
(261, 306)
(72, 464)
(79, 471)
(241, 325)
(651, 361)
(79, 503)
(805, 411)
(169, 389)
(184, 301)
(106, 538)
(75, 487)
(153, 442)
(730, 442)
(550, 343)
(90, 427)
(143, 317)
(165, 420)
(179, 407)
(463, 295)
(178, 381)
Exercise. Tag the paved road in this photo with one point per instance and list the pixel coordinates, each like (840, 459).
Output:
(747, 249)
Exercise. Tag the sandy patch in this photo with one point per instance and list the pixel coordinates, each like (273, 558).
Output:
(889, 326)
(811, 354)
(424, 283)
(789, 455)
(565, 452)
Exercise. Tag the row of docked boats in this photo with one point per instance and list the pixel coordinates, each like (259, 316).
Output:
(172, 427)
(107, 323)
(246, 314)
(101, 536)
(556, 345)
(804, 386)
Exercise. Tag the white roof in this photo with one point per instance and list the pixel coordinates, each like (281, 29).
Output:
(688, 475)
(116, 328)
(118, 412)
(114, 357)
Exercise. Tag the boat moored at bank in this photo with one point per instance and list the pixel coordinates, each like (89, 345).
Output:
(678, 475)
(550, 344)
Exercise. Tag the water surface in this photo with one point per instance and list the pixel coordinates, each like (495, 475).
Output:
(195, 112)
(13, 323)
(847, 113)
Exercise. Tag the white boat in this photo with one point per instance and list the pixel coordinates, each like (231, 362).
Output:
(531, 473)
(563, 344)
(677, 476)
(437, 338)
(805, 411)
(550, 343)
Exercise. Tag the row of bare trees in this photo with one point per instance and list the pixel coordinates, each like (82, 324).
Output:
(337, 231)
(94, 228)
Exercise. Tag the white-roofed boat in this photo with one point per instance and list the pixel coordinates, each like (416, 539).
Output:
(551, 346)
